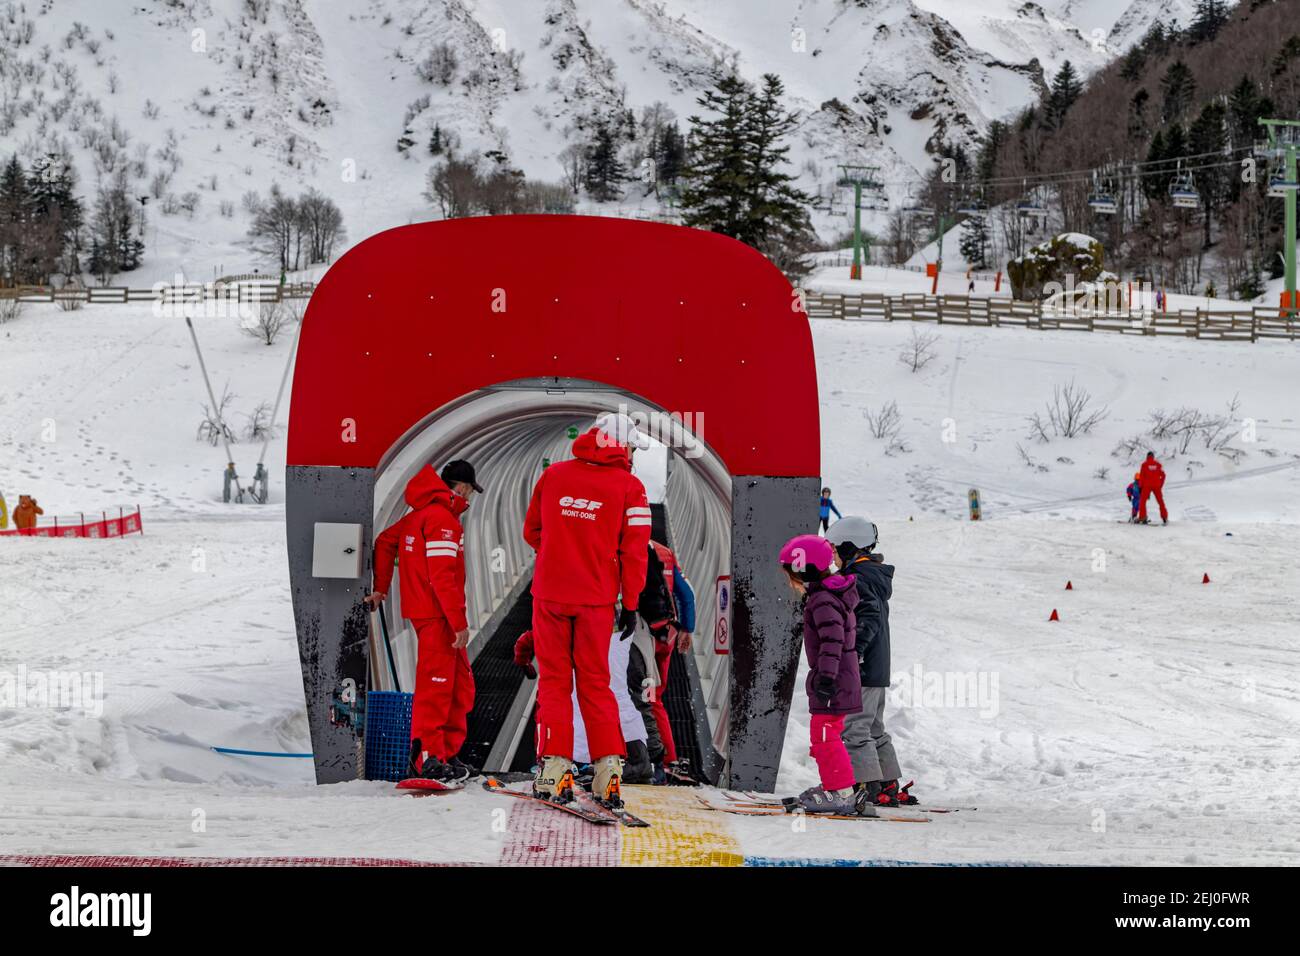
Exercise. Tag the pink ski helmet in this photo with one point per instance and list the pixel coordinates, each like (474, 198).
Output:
(808, 552)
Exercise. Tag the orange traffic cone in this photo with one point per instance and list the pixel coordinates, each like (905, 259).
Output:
(1205, 578)
(1055, 616)
(1069, 585)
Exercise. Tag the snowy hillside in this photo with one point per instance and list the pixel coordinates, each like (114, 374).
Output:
(191, 625)
(204, 101)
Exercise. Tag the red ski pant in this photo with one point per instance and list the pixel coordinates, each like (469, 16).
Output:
(663, 661)
(828, 750)
(573, 640)
(444, 690)
(1143, 493)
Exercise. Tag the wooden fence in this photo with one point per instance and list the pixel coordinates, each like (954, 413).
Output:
(225, 291)
(1247, 325)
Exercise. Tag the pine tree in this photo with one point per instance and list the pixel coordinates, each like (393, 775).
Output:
(1209, 19)
(436, 144)
(605, 171)
(974, 241)
(57, 216)
(15, 223)
(778, 210)
(671, 155)
(716, 179)
(1178, 87)
(114, 246)
(1066, 88)
(1209, 135)
(735, 182)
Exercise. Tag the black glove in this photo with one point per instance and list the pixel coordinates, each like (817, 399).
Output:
(626, 623)
(824, 686)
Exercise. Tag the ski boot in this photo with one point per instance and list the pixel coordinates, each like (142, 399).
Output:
(606, 785)
(638, 768)
(554, 780)
(820, 800)
(869, 793)
(462, 770)
(424, 766)
(892, 796)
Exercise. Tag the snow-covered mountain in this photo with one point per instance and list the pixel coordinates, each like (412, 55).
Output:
(203, 101)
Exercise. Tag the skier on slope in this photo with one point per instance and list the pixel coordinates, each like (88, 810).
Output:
(834, 690)
(824, 508)
(1152, 482)
(428, 545)
(589, 522)
(1133, 491)
(667, 612)
(871, 749)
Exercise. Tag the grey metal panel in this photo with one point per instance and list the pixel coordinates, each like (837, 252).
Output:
(333, 630)
(766, 512)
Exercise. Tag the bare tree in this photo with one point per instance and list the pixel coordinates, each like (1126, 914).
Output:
(259, 424)
(268, 320)
(213, 428)
(10, 308)
(920, 351)
(1070, 411)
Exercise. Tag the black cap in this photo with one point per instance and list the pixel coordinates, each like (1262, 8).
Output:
(459, 470)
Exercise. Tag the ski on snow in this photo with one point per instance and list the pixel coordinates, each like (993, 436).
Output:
(769, 800)
(583, 806)
(621, 814)
(779, 810)
(493, 785)
(420, 787)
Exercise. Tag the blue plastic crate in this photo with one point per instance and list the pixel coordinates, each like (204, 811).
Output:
(388, 734)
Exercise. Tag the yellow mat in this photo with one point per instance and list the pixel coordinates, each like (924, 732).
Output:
(681, 832)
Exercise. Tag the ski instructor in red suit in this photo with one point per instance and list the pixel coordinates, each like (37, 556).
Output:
(1151, 481)
(428, 544)
(589, 523)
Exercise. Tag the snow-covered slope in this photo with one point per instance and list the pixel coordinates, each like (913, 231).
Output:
(191, 628)
(223, 97)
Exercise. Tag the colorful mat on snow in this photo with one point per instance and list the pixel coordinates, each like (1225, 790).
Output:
(682, 833)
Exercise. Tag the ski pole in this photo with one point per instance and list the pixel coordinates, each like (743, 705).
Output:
(388, 647)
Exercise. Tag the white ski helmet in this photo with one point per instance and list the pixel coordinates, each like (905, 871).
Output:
(854, 530)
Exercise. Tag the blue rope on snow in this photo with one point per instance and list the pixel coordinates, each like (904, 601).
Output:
(256, 753)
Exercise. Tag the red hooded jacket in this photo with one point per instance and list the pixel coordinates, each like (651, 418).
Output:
(429, 547)
(1153, 474)
(589, 523)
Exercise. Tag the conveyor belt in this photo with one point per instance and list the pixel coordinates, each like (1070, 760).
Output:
(496, 682)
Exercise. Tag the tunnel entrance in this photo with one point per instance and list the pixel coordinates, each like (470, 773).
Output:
(511, 432)
(420, 345)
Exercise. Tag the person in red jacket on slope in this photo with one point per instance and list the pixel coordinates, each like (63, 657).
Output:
(589, 522)
(1151, 481)
(428, 544)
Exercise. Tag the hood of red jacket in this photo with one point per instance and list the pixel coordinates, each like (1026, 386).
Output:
(427, 488)
(587, 448)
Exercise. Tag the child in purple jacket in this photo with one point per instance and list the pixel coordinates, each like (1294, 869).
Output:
(834, 686)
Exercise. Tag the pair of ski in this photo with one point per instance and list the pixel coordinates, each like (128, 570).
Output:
(583, 805)
(767, 799)
(774, 808)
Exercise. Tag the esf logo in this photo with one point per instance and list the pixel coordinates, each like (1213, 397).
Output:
(583, 508)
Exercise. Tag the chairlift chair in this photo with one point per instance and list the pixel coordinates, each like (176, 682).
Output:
(1103, 204)
(1183, 192)
(1280, 186)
